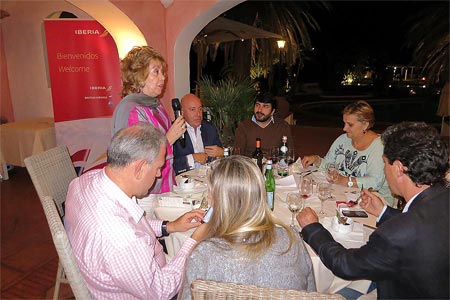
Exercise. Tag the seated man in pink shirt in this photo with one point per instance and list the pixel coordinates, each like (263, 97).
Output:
(115, 245)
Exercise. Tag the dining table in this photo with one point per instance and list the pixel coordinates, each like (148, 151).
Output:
(169, 206)
(22, 139)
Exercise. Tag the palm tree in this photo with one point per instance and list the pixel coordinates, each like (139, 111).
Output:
(291, 19)
(429, 36)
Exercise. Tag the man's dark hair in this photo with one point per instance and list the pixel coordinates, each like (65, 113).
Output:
(420, 148)
(266, 98)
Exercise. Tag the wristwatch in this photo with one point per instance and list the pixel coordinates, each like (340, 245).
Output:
(350, 182)
(164, 228)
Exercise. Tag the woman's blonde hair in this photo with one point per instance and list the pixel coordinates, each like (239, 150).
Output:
(363, 112)
(134, 68)
(241, 215)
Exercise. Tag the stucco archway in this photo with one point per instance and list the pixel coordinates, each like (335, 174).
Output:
(184, 41)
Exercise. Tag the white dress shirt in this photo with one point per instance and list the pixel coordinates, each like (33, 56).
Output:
(197, 143)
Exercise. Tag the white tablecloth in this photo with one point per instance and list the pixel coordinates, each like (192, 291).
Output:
(325, 280)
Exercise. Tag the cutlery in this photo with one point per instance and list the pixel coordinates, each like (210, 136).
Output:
(306, 173)
(357, 199)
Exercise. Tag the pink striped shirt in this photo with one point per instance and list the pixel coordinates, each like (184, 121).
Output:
(115, 245)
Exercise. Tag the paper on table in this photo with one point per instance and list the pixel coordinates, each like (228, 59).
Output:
(287, 181)
(172, 199)
(170, 213)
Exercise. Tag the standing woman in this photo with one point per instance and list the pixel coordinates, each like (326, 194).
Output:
(143, 76)
(245, 243)
(358, 152)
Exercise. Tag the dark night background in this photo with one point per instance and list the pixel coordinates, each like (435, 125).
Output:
(365, 33)
(371, 31)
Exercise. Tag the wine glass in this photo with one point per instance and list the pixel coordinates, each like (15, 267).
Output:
(324, 191)
(332, 173)
(306, 187)
(274, 154)
(236, 151)
(290, 156)
(295, 204)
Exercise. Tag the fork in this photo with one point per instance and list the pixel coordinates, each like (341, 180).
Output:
(357, 199)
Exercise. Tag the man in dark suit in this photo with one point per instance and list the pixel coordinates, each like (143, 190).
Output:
(202, 140)
(408, 254)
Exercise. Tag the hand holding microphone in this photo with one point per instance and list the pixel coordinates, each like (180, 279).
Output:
(179, 124)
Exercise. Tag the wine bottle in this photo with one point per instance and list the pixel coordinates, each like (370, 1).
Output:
(283, 167)
(257, 154)
(270, 184)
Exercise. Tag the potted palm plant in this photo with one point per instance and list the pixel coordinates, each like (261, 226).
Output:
(229, 100)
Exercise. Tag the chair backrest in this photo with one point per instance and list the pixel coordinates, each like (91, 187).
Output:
(64, 249)
(51, 172)
(207, 289)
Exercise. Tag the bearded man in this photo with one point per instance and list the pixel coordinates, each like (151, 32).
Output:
(264, 125)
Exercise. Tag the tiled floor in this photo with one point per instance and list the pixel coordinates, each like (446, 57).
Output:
(28, 257)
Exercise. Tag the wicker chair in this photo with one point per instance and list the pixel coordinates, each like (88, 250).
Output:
(208, 290)
(64, 250)
(51, 173)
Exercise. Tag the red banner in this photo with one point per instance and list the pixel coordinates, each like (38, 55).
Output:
(84, 69)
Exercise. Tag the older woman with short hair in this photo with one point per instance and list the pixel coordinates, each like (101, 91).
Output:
(245, 242)
(143, 76)
(357, 153)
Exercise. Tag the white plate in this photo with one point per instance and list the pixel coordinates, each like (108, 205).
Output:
(198, 188)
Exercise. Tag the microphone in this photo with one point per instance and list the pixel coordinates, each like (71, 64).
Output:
(176, 106)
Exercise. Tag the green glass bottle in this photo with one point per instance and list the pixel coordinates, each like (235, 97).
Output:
(270, 185)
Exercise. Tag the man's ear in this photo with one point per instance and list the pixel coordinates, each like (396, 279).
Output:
(139, 168)
(399, 168)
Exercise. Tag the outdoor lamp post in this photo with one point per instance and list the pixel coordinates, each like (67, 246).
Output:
(281, 44)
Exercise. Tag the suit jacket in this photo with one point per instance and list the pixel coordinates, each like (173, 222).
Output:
(407, 255)
(210, 137)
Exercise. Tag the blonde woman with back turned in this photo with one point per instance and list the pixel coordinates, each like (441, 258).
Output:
(245, 243)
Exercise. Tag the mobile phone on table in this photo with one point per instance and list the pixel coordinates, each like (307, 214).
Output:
(355, 213)
(208, 215)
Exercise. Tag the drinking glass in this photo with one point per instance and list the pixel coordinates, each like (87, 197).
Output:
(306, 187)
(274, 154)
(236, 151)
(295, 204)
(324, 191)
(290, 156)
(332, 173)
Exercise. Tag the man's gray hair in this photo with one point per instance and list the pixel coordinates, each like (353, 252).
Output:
(141, 141)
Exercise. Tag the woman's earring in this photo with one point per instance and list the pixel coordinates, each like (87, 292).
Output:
(364, 131)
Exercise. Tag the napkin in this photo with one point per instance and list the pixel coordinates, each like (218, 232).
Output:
(351, 239)
(287, 181)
